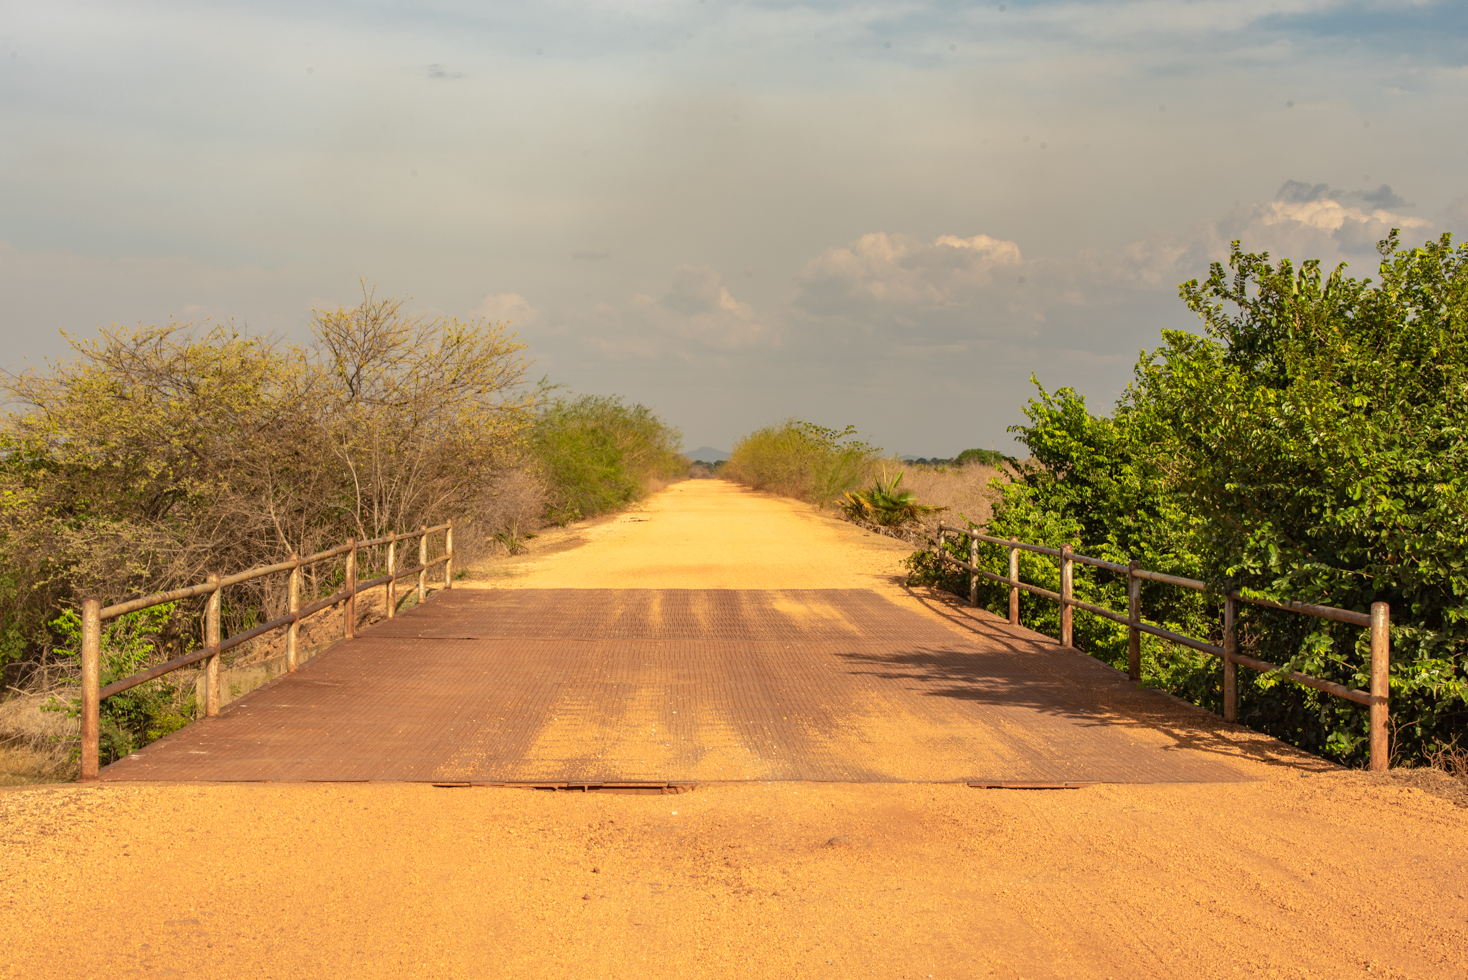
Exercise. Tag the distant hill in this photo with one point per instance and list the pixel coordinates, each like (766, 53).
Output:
(707, 453)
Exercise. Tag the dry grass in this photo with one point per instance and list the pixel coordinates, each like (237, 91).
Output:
(1451, 760)
(35, 745)
(963, 490)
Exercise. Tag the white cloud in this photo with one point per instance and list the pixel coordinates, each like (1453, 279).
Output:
(511, 308)
(900, 273)
(696, 315)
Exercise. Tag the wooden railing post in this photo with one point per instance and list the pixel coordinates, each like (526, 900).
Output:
(91, 685)
(1013, 582)
(939, 547)
(1230, 650)
(211, 640)
(973, 576)
(392, 583)
(422, 561)
(293, 631)
(1381, 641)
(448, 550)
(1134, 620)
(1067, 570)
(349, 604)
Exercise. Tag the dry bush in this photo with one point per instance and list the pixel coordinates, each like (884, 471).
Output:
(158, 454)
(1449, 759)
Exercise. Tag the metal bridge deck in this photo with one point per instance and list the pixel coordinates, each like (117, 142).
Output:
(586, 686)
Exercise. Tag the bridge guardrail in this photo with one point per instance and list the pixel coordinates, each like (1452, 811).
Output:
(94, 614)
(1378, 621)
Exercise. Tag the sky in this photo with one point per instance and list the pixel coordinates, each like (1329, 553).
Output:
(889, 215)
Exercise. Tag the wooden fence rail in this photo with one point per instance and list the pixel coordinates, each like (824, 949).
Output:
(1378, 621)
(94, 614)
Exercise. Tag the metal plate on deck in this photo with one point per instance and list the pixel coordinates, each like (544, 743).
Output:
(589, 687)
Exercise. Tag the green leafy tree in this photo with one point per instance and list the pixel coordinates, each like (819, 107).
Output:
(1310, 446)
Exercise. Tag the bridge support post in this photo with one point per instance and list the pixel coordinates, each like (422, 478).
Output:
(1013, 582)
(422, 562)
(1381, 640)
(973, 575)
(1230, 650)
(293, 631)
(91, 685)
(1134, 620)
(448, 550)
(349, 604)
(211, 640)
(1067, 612)
(392, 567)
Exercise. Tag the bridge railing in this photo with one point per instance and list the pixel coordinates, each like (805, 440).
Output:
(94, 614)
(1378, 621)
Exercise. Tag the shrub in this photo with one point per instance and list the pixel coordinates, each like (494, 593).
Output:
(988, 457)
(887, 506)
(158, 454)
(1308, 448)
(132, 719)
(598, 453)
(801, 460)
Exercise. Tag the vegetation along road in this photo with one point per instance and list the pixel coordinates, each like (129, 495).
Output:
(1283, 866)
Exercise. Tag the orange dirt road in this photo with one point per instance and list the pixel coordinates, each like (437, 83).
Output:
(1298, 870)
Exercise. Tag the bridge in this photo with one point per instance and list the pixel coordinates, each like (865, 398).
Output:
(717, 635)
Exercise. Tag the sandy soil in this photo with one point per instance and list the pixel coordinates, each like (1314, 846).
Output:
(1299, 873)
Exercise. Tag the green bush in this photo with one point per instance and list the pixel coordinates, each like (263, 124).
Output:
(1310, 447)
(801, 460)
(144, 714)
(598, 453)
(989, 457)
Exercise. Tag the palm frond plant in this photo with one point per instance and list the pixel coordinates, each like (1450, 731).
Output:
(887, 505)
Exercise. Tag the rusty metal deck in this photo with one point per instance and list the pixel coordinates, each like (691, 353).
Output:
(588, 686)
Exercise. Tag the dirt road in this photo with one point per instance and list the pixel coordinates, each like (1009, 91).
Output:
(1299, 871)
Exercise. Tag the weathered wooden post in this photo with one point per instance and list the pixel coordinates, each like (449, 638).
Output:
(293, 631)
(422, 562)
(1134, 621)
(1013, 582)
(1067, 567)
(448, 550)
(1381, 641)
(392, 567)
(1230, 650)
(939, 548)
(211, 641)
(349, 604)
(973, 575)
(91, 685)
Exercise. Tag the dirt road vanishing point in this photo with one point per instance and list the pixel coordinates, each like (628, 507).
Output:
(1251, 859)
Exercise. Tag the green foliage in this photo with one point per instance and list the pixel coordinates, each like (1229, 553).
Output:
(599, 453)
(145, 713)
(802, 460)
(887, 506)
(1310, 447)
(988, 457)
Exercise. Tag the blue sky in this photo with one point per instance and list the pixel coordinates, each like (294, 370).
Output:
(888, 214)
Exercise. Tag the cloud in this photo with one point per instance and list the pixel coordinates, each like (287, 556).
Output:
(510, 308)
(1315, 221)
(440, 72)
(697, 315)
(902, 274)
